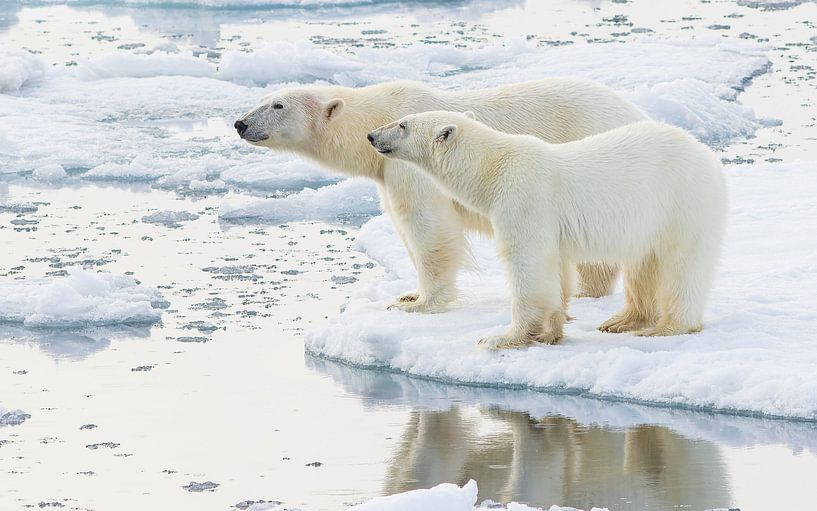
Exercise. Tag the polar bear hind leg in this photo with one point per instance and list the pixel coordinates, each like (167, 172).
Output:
(596, 280)
(639, 309)
(685, 274)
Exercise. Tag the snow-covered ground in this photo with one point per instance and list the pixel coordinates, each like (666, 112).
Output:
(158, 267)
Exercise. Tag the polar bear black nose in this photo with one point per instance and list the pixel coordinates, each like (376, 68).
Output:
(240, 126)
(370, 137)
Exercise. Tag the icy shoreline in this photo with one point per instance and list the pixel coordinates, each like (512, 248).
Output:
(759, 322)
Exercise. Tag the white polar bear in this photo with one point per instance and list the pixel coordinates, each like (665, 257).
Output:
(647, 196)
(329, 125)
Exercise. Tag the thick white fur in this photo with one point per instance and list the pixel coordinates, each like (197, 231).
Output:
(329, 124)
(647, 196)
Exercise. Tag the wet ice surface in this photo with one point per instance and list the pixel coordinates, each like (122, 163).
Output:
(210, 402)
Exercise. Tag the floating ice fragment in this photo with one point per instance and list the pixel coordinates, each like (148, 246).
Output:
(13, 417)
(49, 173)
(200, 487)
(350, 202)
(83, 298)
(170, 219)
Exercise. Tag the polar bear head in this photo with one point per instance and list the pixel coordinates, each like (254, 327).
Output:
(289, 119)
(420, 138)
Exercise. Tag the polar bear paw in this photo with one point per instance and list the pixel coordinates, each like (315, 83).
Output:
(408, 297)
(666, 330)
(622, 323)
(502, 342)
(418, 305)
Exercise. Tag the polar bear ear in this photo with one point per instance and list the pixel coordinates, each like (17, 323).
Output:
(333, 108)
(446, 133)
(469, 114)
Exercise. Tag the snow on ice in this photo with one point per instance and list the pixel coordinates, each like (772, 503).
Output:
(81, 299)
(760, 320)
(350, 202)
(19, 67)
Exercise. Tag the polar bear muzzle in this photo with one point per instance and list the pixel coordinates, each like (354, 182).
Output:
(380, 145)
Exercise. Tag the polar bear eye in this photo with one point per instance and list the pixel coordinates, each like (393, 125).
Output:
(402, 125)
(277, 106)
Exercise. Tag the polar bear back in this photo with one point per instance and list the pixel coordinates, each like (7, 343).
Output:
(617, 192)
(556, 110)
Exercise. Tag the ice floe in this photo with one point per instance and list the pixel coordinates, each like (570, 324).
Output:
(81, 299)
(756, 354)
(350, 202)
(173, 129)
(19, 67)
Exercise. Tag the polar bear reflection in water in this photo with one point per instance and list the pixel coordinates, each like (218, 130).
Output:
(554, 459)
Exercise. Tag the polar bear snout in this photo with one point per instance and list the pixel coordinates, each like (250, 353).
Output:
(380, 145)
(249, 130)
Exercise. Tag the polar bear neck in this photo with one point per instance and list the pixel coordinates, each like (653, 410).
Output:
(475, 166)
(341, 143)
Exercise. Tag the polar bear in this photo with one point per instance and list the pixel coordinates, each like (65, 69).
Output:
(329, 123)
(646, 196)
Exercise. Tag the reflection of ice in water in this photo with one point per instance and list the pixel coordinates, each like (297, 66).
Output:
(541, 448)
(382, 388)
(72, 343)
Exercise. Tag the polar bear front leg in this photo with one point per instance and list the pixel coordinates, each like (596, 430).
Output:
(432, 232)
(440, 249)
(538, 312)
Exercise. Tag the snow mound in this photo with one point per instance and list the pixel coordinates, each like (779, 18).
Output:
(286, 61)
(351, 201)
(81, 299)
(19, 67)
(756, 354)
(136, 65)
(703, 109)
(278, 172)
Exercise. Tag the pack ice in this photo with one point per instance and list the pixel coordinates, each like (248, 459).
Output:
(174, 129)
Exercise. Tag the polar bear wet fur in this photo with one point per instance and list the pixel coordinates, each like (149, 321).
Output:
(329, 124)
(646, 196)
